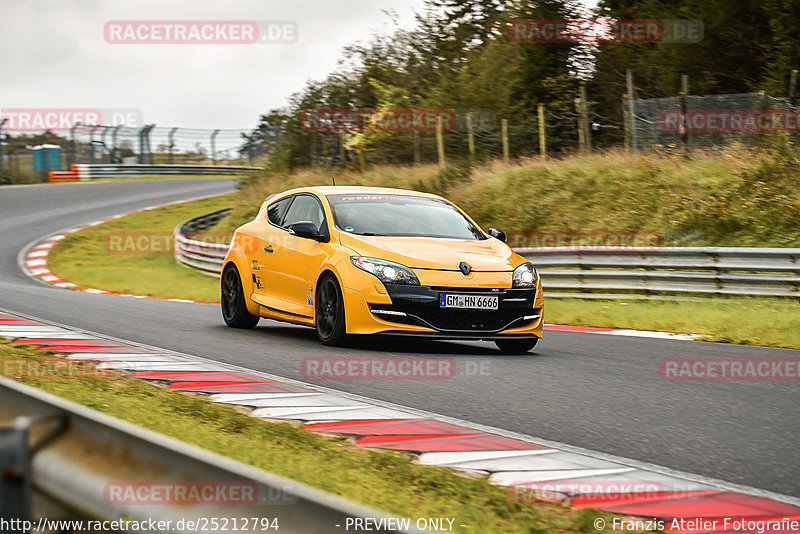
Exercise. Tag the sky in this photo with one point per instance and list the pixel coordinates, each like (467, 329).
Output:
(55, 55)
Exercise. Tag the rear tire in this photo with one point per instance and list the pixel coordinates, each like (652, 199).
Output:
(329, 314)
(516, 346)
(234, 307)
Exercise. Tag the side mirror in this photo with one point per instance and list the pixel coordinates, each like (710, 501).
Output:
(305, 229)
(497, 234)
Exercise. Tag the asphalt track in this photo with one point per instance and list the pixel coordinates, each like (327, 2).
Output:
(595, 391)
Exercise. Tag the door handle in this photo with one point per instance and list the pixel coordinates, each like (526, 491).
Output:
(268, 248)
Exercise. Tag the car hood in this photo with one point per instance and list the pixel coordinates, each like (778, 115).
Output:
(435, 253)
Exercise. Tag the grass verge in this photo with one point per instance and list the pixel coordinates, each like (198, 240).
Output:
(771, 322)
(386, 480)
(134, 254)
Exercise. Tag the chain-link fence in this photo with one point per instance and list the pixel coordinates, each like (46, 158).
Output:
(160, 145)
(476, 133)
(656, 124)
(646, 125)
(150, 144)
(710, 121)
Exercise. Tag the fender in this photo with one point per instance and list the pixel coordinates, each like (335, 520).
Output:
(237, 255)
(330, 265)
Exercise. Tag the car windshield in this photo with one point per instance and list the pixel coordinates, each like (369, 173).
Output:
(400, 215)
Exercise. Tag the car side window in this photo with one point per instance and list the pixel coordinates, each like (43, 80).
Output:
(305, 208)
(276, 210)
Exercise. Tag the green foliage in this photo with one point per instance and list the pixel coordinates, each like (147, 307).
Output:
(733, 198)
(747, 46)
(459, 56)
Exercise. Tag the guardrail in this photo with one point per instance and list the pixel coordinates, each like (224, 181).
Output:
(94, 171)
(92, 454)
(698, 270)
(584, 271)
(203, 256)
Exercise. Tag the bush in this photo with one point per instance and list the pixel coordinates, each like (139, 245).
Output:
(734, 198)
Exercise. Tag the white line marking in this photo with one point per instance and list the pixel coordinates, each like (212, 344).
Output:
(509, 478)
(448, 458)
(245, 398)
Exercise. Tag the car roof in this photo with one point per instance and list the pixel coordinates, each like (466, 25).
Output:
(325, 190)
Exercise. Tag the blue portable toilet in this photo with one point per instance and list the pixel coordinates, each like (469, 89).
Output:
(46, 158)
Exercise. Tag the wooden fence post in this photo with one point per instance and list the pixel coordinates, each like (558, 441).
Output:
(631, 114)
(684, 125)
(584, 111)
(626, 125)
(470, 136)
(440, 142)
(542, 132)
(504, 126)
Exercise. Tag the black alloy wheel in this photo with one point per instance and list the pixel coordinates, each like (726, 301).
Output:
(329, 312)
(234, 308)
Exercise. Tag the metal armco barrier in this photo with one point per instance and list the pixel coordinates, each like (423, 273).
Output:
(81, 467)
(93, 171)
(15, 483)
(584, 272)
(710, 270)
(16, 455)
(205, 257)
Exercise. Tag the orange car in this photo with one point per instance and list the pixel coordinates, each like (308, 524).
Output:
(367, 260)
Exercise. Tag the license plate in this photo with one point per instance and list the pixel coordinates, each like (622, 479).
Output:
(473, 302)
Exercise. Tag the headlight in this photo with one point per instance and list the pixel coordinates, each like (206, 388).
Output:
(387, 271)
(524, 276)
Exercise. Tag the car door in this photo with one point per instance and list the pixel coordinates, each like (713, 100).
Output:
(261, 248)
(296, 261)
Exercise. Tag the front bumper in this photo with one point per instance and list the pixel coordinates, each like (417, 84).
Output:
(419, 305)
(414, 311)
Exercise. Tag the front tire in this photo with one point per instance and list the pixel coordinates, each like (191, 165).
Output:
(234, 307)
(516, 346)
(329, 312)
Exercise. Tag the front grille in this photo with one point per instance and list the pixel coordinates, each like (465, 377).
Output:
(488, 290)
(421, 306)
(462, 320)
